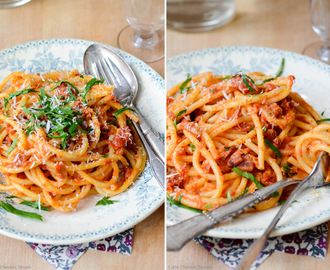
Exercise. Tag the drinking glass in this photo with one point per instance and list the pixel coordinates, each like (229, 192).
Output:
(199, 15)
(144, 37)
(12, 3)
(320, 14)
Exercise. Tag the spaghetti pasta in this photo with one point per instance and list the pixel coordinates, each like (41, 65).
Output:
(232, 135)
(64, 136)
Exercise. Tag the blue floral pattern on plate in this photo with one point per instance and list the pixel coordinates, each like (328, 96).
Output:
(88, 223)
(312, 82)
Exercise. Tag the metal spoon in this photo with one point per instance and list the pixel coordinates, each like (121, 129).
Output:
(315, 178)
(101, 62)
(181, 233)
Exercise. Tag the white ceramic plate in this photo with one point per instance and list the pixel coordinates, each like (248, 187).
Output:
(87, 223)
(312, 83)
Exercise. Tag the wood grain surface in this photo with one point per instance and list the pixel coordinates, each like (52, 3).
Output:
(100, 21)
(277, 24)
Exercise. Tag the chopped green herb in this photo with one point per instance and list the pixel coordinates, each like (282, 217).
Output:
(262, 91)
(113, 121)
(254, 207)
(128, 122)
(229, 199)
(208, 206)
(225, 78)
(180, 198)
(211, 91)
(172, 201)
(248, 176)
(247, 84)
(104, 156)
(81, 76)
(21, 92)
(273, 147)
(264, 129)
(105, 201)
(35, 163)
(275, 194)
(322, 113)
(226, 147)
(270, 112)
(278, 74)
(116, 113)
(251, 128)
(243, 193)
(295, 201)
(91, 83)
(179, 114)
(323, 120)
(287, 169)
(250, 79)
(192, 147)
(184, 84)
(281, 202)
(11, 209)
(12, 147)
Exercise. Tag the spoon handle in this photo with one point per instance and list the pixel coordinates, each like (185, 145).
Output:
(153, 139)
(156, 164)
(179, 234)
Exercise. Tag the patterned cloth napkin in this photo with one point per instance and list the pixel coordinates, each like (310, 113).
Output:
(64, 257)
(312, 242)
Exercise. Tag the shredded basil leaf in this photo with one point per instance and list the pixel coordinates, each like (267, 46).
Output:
(264, 129)
(273, 147)
(180, 198)
(286, 168)
(248, 176)
(243, 193)
(322, 113)
(92, 82)
(323, 120)
(105, 201)
(192, 147)
(247, 84)
(11, 209)
(229, 198)
(251, 128)
(278, 74)
(281, 202)
(184, 84)
(226, 147)
(211, 91)
(225, 78)
(270, 112)
(172, 201)
(104, 156)
(12, 147)
(208, 206)
(21, 92)
(275, 194)
(179, 114)
(116, 113)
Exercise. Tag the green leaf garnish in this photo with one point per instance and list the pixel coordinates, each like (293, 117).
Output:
(116, 113)
(11, 209)
(172, 201)
(211, 91)
(28, 203)
(179, 114)
(243, 193)
(251, 128)
(287, 169)
(192, 147)
(105, 201)
(273, 147)
(281, 202)
(322, 113)
(12, 147)
(21, 92)
(104, 156)
(275, 194)
(247, 84)
(184, 84)
(270, 112)
(92, 82)
(278, 74)
(226, 147)
(264, 129)
(208, 206)
(248, 176)
(225, 78)
(180, 198)
(323, 120)
(229, 199)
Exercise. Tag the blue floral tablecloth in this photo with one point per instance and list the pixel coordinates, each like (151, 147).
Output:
(311, 242)
(63, 257)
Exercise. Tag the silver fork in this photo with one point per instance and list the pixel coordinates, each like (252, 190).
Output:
(181, 233)
(315, 178)
(101, 62)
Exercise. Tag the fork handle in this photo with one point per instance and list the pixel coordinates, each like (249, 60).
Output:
(153, 139)
(179, 234)
(156, 165)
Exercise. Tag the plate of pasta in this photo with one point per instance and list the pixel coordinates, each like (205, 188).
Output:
(239, 119)
(73, 167)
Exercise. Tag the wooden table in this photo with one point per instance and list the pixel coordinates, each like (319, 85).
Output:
(277, 24)
(100, 21)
